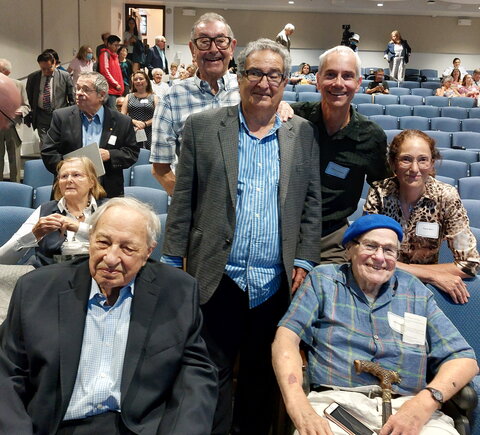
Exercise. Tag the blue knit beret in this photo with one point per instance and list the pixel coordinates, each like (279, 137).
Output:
(370, 222)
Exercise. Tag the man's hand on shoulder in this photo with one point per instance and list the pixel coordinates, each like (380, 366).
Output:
(412, 415)
(285, 111)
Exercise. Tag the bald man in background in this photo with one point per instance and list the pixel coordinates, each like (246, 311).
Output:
(10, 101)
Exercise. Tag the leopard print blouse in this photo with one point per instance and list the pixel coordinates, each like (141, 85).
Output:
(440, 204)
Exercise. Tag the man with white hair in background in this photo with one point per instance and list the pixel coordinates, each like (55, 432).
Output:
(9, 138)
(156, 57)
(283, 37)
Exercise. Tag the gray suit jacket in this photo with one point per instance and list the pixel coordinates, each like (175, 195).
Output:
(201, 218)
(63, 93)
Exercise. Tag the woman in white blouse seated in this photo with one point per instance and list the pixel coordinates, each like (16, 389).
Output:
(59, 227)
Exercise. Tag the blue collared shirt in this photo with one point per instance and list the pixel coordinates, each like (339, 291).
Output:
(332, 315)
(92, 130)
(99, 375)
(255, 261)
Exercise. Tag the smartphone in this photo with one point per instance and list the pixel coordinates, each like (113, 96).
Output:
(350, 424)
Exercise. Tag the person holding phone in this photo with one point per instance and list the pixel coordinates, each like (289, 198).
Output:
(367, 309)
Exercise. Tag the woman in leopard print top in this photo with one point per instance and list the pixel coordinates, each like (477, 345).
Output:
(429, 211)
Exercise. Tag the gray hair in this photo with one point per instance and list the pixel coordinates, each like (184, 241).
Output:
(260, 45)
(156, 70)
(208, 18)
(160, 38)
(344, 50)
(5, 65)
(447, 79)
(151, 220)
(289, 26)
(100, 82)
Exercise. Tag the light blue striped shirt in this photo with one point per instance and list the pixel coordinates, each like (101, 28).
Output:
(255, 261)
(92, 130)
(99, 375)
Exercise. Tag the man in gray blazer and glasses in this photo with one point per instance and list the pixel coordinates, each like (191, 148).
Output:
(246, 216)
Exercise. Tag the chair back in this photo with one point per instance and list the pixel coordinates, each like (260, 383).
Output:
(15, 194)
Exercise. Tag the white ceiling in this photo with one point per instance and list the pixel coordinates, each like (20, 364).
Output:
(453, 8)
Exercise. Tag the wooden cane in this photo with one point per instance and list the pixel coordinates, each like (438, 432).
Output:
(387, 378)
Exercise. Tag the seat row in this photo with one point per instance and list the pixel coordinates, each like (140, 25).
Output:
(35, 174)
(425, 111)
(12, 218)
(445, 124)
(22, 195)
(414, 100)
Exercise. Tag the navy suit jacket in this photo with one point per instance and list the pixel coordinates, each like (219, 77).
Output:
(65, 135)
(154, 60)
(169, 384)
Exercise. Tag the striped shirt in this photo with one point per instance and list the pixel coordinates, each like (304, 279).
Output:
(255, 261)
(331, 314)
(184, 98)
(99, 375)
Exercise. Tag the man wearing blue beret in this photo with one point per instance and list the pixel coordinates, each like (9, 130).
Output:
(368, 310)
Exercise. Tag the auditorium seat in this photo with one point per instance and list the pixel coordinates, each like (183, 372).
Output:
(459, 155)
(452, 169)
(467, 139)
(391, 134)
(442, 139)
(430, 85)
(399, 91)
(423, 92)
(309, 96)
(411, 100)
(385, 99)
(445, 124)
(398, 110)
(387, 122)
(468, 188)
(426, 111)
(437, 101)
(362, 98)
(455, 112)
(466, 102)
(471, 125)
(414, 122)
(369, 109)
(409, 84)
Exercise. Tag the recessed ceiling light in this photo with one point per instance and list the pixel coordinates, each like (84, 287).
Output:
(291, 2)
(379, 4)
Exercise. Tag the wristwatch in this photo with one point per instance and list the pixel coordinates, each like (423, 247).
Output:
(437, 395)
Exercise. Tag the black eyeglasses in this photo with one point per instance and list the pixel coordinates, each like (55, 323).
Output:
(274, 78)
(11, 121)
(205, 42)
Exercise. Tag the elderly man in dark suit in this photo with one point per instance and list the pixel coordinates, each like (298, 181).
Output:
(109, 344)
(246, 216)
(156, 57)
(91, 122)
(47, 90)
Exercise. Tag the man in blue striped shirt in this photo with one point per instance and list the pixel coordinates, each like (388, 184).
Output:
(367, 310)
(246, 216)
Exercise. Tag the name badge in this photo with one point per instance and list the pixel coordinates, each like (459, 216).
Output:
(415, 329)
(112, 140)
(427, 229)
(144, 101)
(336, 170)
